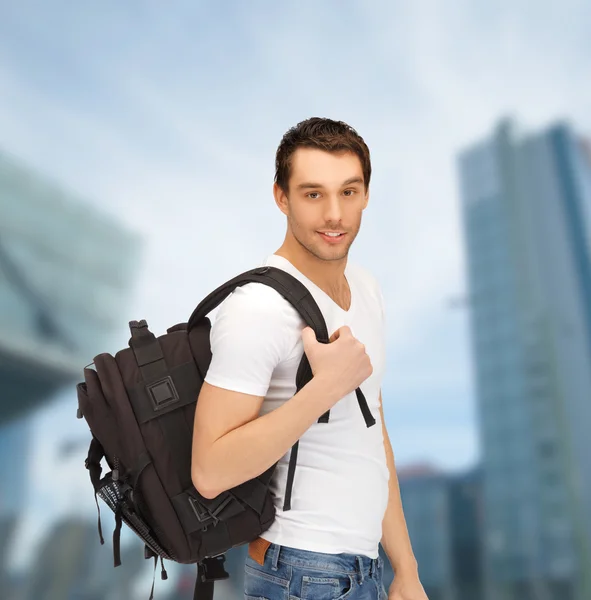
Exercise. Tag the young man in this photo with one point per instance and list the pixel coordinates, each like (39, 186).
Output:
(345, 498)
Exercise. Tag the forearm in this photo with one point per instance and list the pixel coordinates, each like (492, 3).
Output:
(395, 538)
(251, 449)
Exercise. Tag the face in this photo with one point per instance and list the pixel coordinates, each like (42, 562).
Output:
(326, 193)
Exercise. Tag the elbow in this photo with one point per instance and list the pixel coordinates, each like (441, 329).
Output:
(202, 485)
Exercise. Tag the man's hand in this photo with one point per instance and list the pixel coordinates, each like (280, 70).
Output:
(407, 587)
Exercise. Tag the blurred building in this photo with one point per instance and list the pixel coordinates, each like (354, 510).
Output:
(8, 527)
(14, 455)
(14, 460)
(71, 564)
(426, 509)
(526, 206)
(66, 271)
(466, 513)
(443, 519)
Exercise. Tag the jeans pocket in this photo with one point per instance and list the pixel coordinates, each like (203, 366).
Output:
(336, 586)
(262, 585)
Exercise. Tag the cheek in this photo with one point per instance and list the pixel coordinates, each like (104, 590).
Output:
(304, 223)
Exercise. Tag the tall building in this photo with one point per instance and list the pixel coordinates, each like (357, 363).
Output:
(14, 450)
(65, 274)
(425, 500)
(526, 207)
(71, 563)
(443, 516)
(465, 506)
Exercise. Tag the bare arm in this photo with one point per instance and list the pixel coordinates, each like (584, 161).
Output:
(232, 444)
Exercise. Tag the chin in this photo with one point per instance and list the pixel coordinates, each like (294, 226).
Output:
(334, 254)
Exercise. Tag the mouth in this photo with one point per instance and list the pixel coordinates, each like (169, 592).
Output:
(332, 239)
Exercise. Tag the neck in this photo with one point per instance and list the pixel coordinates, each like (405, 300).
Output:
(328, 275)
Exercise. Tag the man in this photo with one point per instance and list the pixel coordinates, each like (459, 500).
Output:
(345, 498)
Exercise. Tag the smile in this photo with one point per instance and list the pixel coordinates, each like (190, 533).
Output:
(332, 239)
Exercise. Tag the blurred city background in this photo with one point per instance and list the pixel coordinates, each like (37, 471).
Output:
(137, 144)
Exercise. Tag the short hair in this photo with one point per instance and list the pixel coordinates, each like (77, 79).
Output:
(324, 134)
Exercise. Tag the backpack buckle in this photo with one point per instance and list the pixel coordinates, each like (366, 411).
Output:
(220, 507)
(212, 568)
(203, 515)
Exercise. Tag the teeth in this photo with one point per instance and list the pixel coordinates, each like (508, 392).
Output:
(332, 234)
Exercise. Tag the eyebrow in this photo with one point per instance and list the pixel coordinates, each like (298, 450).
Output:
(306, 185)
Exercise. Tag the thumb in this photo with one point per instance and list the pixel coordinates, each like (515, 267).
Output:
(308, 337)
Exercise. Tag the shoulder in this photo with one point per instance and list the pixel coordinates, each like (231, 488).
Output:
(256, 295)
(255, 322)
(364, 276)
(257, 301)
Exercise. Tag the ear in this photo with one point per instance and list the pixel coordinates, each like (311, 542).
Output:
(280, 199)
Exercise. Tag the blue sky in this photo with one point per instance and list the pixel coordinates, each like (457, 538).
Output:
(168, 116)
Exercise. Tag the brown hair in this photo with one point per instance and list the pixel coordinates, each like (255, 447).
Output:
(324, 134)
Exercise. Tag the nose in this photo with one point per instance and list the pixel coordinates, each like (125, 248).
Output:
(332, 209)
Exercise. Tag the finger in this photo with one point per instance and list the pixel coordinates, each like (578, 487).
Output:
(345, 330)
(334, 336)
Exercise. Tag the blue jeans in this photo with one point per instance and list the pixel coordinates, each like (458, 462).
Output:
(293, 574)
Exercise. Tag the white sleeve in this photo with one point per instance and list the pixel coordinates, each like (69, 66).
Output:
(248, 340)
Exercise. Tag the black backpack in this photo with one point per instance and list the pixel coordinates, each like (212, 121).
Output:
(140, 406)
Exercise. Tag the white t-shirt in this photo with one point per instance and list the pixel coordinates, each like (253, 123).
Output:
(340, 490)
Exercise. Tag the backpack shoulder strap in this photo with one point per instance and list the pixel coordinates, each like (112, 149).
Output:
(291, 288)
(298, 295)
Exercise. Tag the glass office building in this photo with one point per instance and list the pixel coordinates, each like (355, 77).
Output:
(443, 516)
(66, 271)
(425, 501)
(65, 274)
(526, 207)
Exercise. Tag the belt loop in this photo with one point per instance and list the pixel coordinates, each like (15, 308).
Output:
(360, 568)
(275, 557)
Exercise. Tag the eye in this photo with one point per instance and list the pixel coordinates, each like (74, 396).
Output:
(312, 193)
(352, 192)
